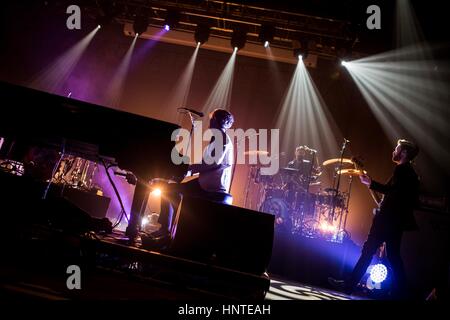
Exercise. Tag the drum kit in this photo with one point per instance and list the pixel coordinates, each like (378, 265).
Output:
(296, 197)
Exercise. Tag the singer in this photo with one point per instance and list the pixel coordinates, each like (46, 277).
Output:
(213, 181)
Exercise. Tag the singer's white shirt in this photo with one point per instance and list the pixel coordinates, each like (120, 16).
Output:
(218, 179)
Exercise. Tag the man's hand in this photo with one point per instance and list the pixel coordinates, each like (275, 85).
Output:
(365, 179)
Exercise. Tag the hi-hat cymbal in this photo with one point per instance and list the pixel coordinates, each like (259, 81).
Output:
(256, 153)
(352, 172)
(337, 161)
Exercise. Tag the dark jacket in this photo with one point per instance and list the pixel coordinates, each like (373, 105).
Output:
(401, 195)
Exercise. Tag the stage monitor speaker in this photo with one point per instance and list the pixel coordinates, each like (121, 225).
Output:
(228, 236)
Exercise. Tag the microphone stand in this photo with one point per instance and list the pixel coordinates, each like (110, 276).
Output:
(336, 190)
(191, 117)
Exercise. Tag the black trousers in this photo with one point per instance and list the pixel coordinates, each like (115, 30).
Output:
(383, 230)
(171, 197)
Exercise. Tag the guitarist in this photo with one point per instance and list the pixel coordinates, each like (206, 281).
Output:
(394, 215)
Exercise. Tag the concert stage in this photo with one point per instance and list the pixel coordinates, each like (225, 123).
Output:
(35, 269)
(312, 260)
(276, 131)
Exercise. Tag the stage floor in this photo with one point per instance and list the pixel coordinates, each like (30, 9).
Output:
(282, 289)
(279, 290)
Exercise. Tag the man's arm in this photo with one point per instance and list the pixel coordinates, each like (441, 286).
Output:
(203, 167)
(401, 180)
(380, 187)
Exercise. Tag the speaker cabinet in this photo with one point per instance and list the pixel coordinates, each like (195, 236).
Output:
(229, 236)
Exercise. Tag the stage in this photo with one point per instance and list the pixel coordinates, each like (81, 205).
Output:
(267, 142)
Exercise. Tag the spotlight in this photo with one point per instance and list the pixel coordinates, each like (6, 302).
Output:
(202, 33)
(344, 51)
(266, 34)
(156, 192)
(344, 63)
(378, 273)
(108, 11)
(144, 221)
(238, 38)
(172, 19)
(326, 227)
(140, 24)
(103, 21)
(300, 49)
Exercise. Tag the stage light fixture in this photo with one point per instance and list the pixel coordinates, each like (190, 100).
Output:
(300, 49)
(144, 221)
(156, 192)
(108, 11)
(202, 33)
(239, 38)
(266, 34)
(378, 273)
(343, 51)
(140, 24)
(172, 19)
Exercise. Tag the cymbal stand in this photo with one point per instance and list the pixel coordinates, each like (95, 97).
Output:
(247, 188)
(306, 199)
(346, 205)
(337, 179)
(191, 117)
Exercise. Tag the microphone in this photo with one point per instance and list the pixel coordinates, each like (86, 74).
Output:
(346, 141)
(198, 113)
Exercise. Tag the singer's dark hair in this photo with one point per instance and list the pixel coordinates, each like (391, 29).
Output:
(412, 150)
(223, 118)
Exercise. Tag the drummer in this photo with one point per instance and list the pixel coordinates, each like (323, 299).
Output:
(306, 172)
(302, 162)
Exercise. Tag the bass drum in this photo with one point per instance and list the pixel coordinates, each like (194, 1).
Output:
(280, 209)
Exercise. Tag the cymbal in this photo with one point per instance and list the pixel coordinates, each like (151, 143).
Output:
(256, 153)
(352, 172)
(336, 161)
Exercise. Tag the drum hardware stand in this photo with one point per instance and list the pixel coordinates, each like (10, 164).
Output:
(306, 199)
(247, 189)
(346, 205)
(338, 182)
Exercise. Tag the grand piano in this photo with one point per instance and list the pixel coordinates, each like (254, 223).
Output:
(135, 143)
(202, 248)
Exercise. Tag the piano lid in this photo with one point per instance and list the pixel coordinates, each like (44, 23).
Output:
(138, 144)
